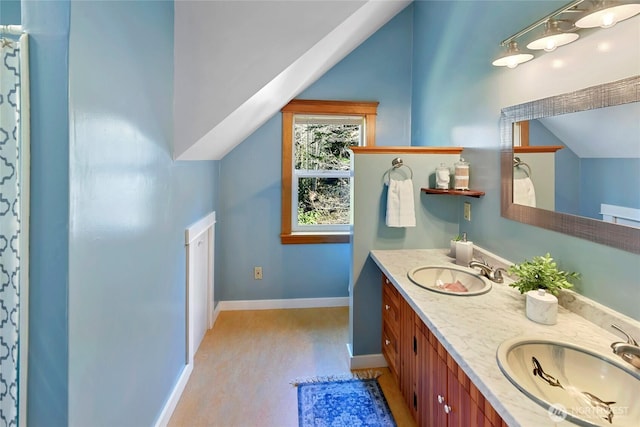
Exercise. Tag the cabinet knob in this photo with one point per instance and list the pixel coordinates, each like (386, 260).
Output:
(447, 409)
(387, 307)
(440, 399)
(386, 281)
(387, 342)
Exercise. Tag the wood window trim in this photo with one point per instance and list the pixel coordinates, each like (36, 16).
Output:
(524, 133)
(368, 110)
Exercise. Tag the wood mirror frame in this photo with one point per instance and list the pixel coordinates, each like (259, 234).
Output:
(605, 95)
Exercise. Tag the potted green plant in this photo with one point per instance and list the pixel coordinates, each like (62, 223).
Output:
(541, 273)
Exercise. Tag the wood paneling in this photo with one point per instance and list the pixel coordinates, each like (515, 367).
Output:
(391, 327)
(436, 389)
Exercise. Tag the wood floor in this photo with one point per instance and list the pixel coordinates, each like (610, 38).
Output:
(245, 364)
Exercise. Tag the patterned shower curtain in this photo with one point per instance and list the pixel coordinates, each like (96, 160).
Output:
(10, 228)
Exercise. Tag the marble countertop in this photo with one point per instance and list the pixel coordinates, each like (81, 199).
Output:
(472, 327)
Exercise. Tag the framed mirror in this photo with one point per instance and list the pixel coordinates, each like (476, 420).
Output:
(601, 97)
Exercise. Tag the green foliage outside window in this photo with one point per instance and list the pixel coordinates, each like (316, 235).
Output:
(324, 147)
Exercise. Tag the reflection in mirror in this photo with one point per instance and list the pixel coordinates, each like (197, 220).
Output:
(571, 163)
(591, 161)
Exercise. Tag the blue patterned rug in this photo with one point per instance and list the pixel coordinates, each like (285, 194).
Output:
(345, 403)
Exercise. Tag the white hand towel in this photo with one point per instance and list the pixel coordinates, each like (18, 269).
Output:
(400, 209)
(523, 192)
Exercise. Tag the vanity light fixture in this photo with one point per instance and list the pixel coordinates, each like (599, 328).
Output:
(512, 56)
(553, 37)
(606, 14)
(560, 31)
(552, 29)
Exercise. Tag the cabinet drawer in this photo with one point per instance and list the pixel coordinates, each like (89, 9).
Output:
(390, 305)
(390, 349)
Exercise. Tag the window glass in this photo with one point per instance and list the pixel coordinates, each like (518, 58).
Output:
(321, 171)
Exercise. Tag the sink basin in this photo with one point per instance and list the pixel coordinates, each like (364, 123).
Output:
(573, 383)
(448, 280)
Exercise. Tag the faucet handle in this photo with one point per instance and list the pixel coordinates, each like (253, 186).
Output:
(630, 339)
(497, 273)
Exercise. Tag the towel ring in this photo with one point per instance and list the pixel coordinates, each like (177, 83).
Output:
(395, 164)
(519, 163)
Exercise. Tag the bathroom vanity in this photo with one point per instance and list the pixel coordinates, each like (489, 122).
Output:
(435, 388)
(442, 348)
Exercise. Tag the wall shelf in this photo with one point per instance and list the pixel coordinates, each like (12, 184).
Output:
(451, 192)
(537, 149)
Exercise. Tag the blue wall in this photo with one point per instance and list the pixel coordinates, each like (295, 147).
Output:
(109, 210)
(457, 97)
(48, 26)
(248, 226)
(130, 204)
(567, 169)
(611, 181)
(583, 184)
(10, 12)
(436, 224)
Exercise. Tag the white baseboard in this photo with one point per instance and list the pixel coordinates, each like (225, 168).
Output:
(272, 304)
(366, 361)
(172, 402)
(214, 315)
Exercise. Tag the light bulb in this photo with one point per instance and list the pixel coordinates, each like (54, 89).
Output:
(608, 20)
(552, 37)
(607, 17)
(512, 57)
(551, 46)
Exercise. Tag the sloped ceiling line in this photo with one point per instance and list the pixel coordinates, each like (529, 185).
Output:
(249, 115)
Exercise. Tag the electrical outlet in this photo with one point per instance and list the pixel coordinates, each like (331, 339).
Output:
(467, 211)
(257, 273)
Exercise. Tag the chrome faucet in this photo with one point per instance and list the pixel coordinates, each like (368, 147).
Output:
(495, 275)
(629, 351)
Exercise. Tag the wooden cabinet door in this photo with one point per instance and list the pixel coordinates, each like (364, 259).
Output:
(408, 356)
(425, 378)
(458, 402)
(431, 387)
(433, 384)
(440, 384)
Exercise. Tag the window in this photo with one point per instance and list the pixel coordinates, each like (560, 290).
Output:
(316, 167)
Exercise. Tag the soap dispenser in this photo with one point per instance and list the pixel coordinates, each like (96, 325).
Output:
(464, 251)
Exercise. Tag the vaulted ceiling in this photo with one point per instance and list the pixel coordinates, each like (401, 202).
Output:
(612, 132)
(237, 63)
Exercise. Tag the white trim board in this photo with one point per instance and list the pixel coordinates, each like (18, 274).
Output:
(194, 232)
(197, 228)
(174, 398)
(273, 304)
(366, 361)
